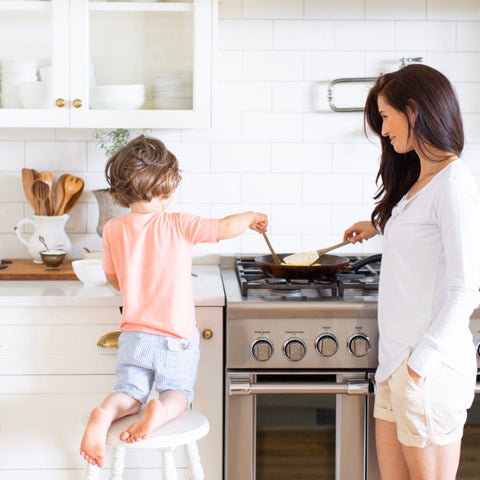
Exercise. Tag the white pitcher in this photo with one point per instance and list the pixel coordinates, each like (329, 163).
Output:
(51, 228)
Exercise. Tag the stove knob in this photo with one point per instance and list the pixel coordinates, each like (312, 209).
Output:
(294, 349)
(477, 346)
(359, 345)
(262, 349)
(326, 345)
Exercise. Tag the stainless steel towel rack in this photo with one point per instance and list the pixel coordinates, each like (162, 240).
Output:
(331, 92)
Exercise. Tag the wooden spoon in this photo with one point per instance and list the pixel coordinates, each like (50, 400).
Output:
(71, 186)
(274, 255)
(59, 192)
(48, 178)
(40, 191)
(74, 199)
(27, 180)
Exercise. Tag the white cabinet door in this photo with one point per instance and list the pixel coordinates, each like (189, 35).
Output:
(162, 51)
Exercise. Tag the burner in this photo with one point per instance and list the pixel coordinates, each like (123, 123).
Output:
(349, 283)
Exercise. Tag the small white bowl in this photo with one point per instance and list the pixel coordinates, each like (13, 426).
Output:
(89, 271)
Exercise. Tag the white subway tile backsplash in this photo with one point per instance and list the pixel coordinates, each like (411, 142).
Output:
(468, 96)
(332, 189)
(306, 219)
(272, 65)
(273, 127)
(241, 157)
(228, 65)
(432, 36)
(58, 156)
(275, 145)
(293, 97)
(272, 9)
(406, 9)
(335, 9)
(271, 188)
(326, 66)
(449, 10)
(12, 156)
(364, 35)
(468, 36)
(210, 188)
(302, 158)
(244, 96)
(245, 34)
(303, 35)
(333, 127)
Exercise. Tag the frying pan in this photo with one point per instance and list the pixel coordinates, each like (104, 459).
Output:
(329, 266)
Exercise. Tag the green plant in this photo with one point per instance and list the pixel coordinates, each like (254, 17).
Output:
(111, 141)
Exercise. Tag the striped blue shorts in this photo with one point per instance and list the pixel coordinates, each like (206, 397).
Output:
(147, 360)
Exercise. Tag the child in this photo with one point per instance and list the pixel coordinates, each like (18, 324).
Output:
(147, 256)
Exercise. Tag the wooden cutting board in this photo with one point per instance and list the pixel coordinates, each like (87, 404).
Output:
(25, 269)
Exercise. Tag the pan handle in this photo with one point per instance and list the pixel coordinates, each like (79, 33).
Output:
(365, 261)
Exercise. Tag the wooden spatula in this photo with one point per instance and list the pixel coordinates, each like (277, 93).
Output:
(59, 192)
(27, 180)
(309, 258)
(71, 186)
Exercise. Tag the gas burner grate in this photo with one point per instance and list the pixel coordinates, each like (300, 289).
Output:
(363, 282)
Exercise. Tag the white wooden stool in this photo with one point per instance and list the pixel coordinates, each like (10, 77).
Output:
(185, 429)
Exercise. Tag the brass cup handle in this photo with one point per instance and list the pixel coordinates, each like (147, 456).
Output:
(60, 102)
(77, 103)
(109, 340)
(207, 334)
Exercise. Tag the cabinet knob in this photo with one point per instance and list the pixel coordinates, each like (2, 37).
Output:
(109, 340)
(60, 102)
(207, 334)
(77, 103)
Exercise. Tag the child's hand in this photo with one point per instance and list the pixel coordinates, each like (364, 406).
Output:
(260, 223)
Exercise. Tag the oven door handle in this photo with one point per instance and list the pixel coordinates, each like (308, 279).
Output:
(349, 387)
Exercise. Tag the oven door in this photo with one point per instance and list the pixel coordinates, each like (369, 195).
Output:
(303, 425)
(470, 460)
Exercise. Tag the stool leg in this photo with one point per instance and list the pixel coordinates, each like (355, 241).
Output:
(92, 472)
(169, 468)
(195, 461)
(118, 463)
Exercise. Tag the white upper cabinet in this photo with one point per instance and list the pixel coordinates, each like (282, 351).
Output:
(106, 64)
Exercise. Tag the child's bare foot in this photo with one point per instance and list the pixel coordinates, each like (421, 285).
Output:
(153, 417)
(92, 448)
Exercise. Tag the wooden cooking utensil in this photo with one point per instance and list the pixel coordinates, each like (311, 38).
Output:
(309, 258)
(40, 191)
(59, 192)
(274, 255)
(27, 180)
(71, 186)
(74, 198)
(48, 178)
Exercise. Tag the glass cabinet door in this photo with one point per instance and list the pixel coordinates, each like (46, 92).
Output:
(34, 63)
(141, 64)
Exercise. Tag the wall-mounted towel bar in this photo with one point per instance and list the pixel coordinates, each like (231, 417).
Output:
(337, 81)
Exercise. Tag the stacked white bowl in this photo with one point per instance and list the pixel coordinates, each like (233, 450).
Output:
(117, 97)
(14, 73)
(172, 91)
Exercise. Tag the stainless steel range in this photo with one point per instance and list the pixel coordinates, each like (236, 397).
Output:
(300, 358)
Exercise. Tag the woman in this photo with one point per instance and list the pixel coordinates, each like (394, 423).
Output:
(428, 211)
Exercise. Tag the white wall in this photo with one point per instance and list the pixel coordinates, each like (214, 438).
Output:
(275, 145)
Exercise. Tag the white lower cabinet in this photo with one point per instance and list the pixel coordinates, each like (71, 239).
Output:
(52, 374)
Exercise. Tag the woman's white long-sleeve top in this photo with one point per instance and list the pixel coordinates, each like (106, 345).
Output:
(430, 276)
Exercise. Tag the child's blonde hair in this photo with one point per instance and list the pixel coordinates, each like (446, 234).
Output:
(141, 170)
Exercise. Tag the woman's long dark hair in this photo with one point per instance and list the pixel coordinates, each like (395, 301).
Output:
(438, 125)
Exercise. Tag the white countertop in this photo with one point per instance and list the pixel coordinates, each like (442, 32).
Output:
(207, 289)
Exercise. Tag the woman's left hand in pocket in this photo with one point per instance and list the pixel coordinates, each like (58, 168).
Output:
(417, 379)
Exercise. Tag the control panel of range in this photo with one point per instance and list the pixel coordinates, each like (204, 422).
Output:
(333, 343)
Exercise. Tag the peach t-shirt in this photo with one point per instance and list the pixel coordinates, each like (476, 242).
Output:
(151, 255)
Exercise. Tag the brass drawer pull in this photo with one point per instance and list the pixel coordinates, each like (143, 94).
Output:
(109, 340)
(207, 334)
(60, 102)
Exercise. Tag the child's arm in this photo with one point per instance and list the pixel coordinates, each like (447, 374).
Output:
(112, 280)
(233, 225)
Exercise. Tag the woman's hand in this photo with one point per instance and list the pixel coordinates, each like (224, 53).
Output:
(418, 380)
(359, 232)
